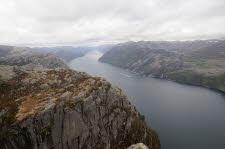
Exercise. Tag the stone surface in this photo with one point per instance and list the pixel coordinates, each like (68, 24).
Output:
(138, 146)
(62, 109)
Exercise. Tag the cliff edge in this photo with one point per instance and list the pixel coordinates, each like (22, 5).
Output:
(64, 109)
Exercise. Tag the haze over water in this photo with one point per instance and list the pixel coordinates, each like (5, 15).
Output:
(185, 117)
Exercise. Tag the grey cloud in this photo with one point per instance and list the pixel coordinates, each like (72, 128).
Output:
(83, 22)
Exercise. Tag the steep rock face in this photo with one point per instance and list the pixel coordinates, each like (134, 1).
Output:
(62, 109)
(26, 60)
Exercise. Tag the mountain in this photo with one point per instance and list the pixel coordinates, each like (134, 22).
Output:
(200, 62)
(63, 108)
(68, 53)
(27, 60)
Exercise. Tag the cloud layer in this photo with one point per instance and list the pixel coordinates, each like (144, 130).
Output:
(87, 22)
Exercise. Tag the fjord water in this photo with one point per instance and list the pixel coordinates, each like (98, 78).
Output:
(185, 117)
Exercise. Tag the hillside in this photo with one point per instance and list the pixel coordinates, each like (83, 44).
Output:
(192, 62)
(68, 53)
(27, 60)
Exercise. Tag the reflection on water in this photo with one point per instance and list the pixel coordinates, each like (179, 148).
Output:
(185, 117)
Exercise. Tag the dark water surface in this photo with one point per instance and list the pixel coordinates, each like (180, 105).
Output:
(185, 117)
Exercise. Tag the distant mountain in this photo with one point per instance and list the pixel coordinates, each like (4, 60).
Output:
(26, 60)
(68, 53)
(6, 51)
(104, 48)
(200, 62)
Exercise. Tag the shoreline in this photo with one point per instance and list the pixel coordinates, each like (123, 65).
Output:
(151, 76)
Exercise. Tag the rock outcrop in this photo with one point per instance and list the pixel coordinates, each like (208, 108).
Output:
(66, 109)
(138, 146)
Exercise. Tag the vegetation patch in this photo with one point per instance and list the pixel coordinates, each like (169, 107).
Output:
(193, 78)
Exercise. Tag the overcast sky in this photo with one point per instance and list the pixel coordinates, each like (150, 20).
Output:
(88, 22)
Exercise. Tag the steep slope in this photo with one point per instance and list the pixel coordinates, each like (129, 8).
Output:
(25, 59)
(193, 62)
(63, 108)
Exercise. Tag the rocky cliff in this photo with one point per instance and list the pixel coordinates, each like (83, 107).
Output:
(193, 62)
(66, 109)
